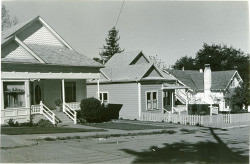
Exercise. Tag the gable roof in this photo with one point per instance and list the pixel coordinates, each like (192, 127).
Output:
(122, 67)
(45, 54)
(124, 58)
(195, 79)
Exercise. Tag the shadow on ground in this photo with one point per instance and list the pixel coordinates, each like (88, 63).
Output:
(207, 152)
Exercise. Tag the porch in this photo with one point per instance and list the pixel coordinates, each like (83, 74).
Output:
(173, 93)
(36, 94)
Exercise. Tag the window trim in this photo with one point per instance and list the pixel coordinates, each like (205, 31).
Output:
(102, 92)
(157, 98)
(24, 94)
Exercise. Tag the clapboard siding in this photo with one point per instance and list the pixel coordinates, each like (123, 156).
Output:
(14, 51)
(125, 93)
(151, 87)
(38, 34)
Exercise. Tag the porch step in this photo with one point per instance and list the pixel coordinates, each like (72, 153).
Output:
(63, 117)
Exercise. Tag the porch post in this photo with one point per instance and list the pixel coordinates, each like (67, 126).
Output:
(186, 99)
(172, 102)
(63, 93)
(139, 99)
(98, 89)
(2, 94)
(27, 93)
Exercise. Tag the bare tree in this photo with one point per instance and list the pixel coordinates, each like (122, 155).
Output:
(158, 62)
(7, 21)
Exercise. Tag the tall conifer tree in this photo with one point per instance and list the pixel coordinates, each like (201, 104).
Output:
(112, 46)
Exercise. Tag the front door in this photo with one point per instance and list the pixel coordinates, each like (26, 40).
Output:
(70, 91)
(37, 92)
(167, 99)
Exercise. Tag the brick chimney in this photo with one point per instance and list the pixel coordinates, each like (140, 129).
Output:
(207, 82)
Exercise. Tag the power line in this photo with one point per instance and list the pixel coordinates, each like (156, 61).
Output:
(119, 13)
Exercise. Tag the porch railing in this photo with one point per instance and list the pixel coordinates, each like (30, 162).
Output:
(35, 109)
(70, 112)
(74, 105)
(43, 109)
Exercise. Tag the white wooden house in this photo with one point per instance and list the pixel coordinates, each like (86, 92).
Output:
(131, 80)
(37, 67)
(207, 87)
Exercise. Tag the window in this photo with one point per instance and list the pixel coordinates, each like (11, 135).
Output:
(14, 94)
(152, 100)
(70, 91)
(104, 98)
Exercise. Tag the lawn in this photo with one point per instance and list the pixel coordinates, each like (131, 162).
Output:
(124, 126)
(43, 130)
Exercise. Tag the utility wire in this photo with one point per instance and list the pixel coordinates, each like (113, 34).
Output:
(119, 13)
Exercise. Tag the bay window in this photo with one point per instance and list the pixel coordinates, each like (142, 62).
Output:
(14, 94)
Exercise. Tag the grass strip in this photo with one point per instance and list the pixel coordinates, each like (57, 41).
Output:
(44, 130)
(111, 135)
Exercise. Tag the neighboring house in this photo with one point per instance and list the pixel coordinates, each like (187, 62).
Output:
(208, 87)
(131, 80)
(37, 67)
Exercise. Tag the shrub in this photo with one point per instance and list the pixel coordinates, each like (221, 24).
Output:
(90, 109)
(44, 123)
(114, 110)
(12, 123)
(104, 114)
(93, 111)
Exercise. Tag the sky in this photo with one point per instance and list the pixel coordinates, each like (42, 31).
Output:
(168, 29)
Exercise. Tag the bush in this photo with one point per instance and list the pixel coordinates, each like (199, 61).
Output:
(114, 110)
(104, 114)
(44, 123)
(12, 123)
(93, 111)
(90, 109)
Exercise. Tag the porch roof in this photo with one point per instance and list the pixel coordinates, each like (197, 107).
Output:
(173, 86)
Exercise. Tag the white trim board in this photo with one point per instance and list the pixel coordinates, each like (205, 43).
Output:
(38, 75)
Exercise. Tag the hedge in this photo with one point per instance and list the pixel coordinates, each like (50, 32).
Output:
(93, 111)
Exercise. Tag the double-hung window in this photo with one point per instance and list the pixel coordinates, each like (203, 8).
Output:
(152, 100)
(104, 97)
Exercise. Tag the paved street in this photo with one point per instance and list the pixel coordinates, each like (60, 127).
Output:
(205, 145)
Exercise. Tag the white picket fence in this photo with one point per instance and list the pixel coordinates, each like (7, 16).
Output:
(207, 120)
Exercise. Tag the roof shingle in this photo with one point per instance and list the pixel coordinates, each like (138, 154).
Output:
(62, 56)
(195, 79)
